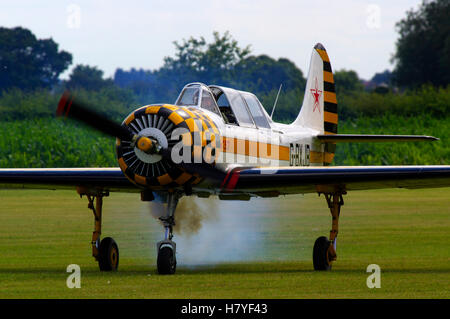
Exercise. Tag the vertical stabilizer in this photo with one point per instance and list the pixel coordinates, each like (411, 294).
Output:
(319, 108)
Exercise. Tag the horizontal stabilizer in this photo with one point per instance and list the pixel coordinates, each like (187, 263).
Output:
(357, 138)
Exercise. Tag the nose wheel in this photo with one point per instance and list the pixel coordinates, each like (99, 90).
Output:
(166, 263)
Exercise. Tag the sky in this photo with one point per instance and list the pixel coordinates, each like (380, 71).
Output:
(358, 35)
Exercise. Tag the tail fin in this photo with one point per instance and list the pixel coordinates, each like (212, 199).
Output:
(319, 108)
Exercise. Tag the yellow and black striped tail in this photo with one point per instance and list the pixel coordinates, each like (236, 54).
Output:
(330, 116)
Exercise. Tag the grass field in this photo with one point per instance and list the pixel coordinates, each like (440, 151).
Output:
(256, 249)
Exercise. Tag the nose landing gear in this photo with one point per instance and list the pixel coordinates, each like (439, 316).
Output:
(166, 249)
(167, 262)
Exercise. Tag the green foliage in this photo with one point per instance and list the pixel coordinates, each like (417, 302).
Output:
(205, 60)
(50, 142)
(356, 104)
(422, 102)
(347, 82)
(114, 102)
(30, 136)
(423, 48)
(288, 104)
(198, 61)
(88, 78)
(407, 153)
(262, 74)
(384, 77)
(28, 63)
(221, 62)
(16, 104)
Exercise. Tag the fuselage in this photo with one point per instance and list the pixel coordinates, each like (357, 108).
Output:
(216, 126)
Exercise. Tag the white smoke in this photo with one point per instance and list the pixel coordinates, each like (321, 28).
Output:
(210, 231)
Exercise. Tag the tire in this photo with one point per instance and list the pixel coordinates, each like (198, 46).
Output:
(166, 262)
(320, 254)
(108, 255)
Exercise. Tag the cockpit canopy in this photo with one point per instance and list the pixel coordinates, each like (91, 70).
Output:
(233, 106)
(197, 94)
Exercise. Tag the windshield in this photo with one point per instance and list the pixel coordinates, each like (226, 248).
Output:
(239, 108)
(189, 97)
(255, 109)
(208, 102)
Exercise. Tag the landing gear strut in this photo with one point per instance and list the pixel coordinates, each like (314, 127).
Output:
(324, 252)
(167, 262)
(106, 251)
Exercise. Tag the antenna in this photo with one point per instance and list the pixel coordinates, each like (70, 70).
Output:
(276, 100)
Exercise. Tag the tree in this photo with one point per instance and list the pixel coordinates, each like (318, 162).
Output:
(262, 74)
(127, 79)
(423, 48)
(197, 60)
(347, 82)
(28, 63)
(221, 62)
(142, 82)
(384, 77)
(87, 77)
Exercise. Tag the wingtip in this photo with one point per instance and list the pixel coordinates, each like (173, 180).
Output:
(430, 138)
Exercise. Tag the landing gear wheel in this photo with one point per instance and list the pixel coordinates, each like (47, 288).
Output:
(166, 262)
(108, 255)
(320, 254)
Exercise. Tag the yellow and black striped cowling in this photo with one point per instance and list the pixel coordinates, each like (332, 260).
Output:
(161, 122)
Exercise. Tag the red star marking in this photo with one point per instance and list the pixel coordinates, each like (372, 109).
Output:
(316, 95)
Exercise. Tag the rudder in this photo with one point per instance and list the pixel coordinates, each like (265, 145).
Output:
(319, 108)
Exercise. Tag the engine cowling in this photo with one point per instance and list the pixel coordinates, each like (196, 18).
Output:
(187, 130)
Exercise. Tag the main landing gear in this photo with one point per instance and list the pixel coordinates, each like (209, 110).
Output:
(324, 252)
(166, 249)
(106, 251)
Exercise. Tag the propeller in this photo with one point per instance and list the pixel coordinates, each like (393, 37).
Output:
(71, 107)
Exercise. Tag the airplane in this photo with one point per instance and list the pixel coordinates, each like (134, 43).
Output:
(219, 141)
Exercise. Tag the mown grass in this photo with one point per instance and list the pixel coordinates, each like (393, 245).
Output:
(403, 231)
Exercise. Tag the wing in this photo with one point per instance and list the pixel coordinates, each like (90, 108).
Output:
(345, 138)
(292, 180)
(66, 178)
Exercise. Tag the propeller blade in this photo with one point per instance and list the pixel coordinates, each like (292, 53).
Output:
(71, 107)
